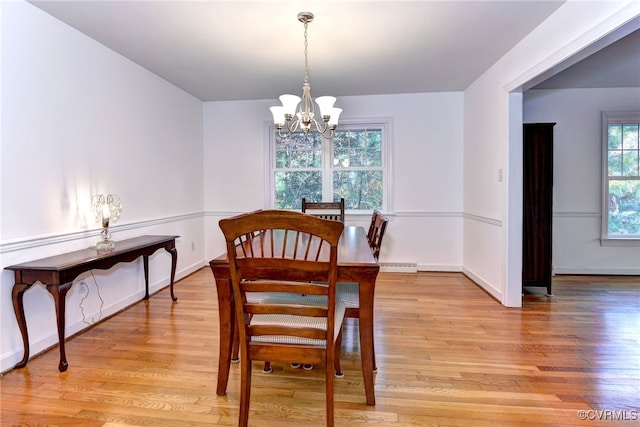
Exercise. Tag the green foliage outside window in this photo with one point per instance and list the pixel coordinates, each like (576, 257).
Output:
(350, 166)
(623, 179)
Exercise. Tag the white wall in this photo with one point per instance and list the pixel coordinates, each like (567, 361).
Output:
(79, 119)
(426, 219)
(493, 138)
(577, 189)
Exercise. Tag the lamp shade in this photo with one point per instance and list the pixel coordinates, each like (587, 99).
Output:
(335, 115)
(289, 103)
(278, 115)
(326, 104)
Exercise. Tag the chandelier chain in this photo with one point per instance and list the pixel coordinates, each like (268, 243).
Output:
(306, 52)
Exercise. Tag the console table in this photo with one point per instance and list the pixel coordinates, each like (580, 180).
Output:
(57, 273)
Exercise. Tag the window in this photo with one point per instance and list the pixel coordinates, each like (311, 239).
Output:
(353, 165)
(621, 174)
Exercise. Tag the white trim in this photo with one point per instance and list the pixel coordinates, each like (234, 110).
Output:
(496, 293)
(621, 241)
(384, 123)
(598, 271)
(484, 219)
(367, 216)
(577, 214)
(50, 239)
(512, 244)
(444, 268)
(607, 118)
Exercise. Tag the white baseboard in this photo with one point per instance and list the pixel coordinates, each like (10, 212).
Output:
(598, 271)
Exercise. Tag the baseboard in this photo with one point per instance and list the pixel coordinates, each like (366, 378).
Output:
(598, 271)
(491, 290)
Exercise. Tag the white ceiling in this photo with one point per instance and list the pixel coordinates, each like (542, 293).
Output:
(234, 50)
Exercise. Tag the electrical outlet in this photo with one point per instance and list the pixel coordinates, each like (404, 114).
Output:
(82, 288)
(193, 246)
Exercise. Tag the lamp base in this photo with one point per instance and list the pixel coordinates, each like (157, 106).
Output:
(105, 246)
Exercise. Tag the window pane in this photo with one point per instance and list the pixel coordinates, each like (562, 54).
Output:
(630, 136)
(291, 187)
(356, 156)
(630, 163)
(361, 189)
(615, 137)
(299, 151)
(624, 207)
(341, 158)
(374, 148)
(341, 139)
(357, 148)
(615, 163)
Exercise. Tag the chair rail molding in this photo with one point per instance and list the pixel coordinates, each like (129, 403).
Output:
(55, 238)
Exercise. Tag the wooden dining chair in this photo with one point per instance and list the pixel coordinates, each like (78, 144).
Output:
(372, 224)
(377, 233)
(282, 255)
(325, 210)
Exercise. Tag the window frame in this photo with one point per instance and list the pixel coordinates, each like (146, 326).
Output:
(383, 123)
(613, 117)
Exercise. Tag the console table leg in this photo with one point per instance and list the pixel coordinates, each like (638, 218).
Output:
(174, 260)
(145, 262)
(59, 294)
(17, 295)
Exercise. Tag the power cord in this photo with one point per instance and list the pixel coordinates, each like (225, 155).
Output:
(93, 320)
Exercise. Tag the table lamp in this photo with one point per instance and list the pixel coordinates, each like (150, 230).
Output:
(107, 209)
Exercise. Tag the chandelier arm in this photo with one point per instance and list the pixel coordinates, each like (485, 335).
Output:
(319, 127)
(293, 126)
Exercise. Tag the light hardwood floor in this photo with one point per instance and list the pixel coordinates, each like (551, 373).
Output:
(447, 354)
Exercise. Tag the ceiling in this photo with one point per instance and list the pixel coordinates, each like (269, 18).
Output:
(236, 50)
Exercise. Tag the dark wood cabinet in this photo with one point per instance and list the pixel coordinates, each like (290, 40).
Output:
(537, 205)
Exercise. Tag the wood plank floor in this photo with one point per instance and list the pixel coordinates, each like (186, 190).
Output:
(447, 353)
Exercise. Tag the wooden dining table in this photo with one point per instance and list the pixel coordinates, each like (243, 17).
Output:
(355, 264)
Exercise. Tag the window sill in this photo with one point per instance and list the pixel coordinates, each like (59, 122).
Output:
(620, 241)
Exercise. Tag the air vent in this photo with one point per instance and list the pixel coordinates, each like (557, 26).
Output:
(398, 267)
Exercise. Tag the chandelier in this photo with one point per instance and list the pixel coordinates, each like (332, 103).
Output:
(285, 115)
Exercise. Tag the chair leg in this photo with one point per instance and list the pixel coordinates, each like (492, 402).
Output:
(245, 390)
(375, 367)
(236, 344)
(336, 357)
(329, 381)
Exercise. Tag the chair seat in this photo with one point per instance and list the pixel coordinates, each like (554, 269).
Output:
(297, 321)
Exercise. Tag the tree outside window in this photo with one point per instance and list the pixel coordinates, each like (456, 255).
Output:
(350, 165)
(621, 133)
